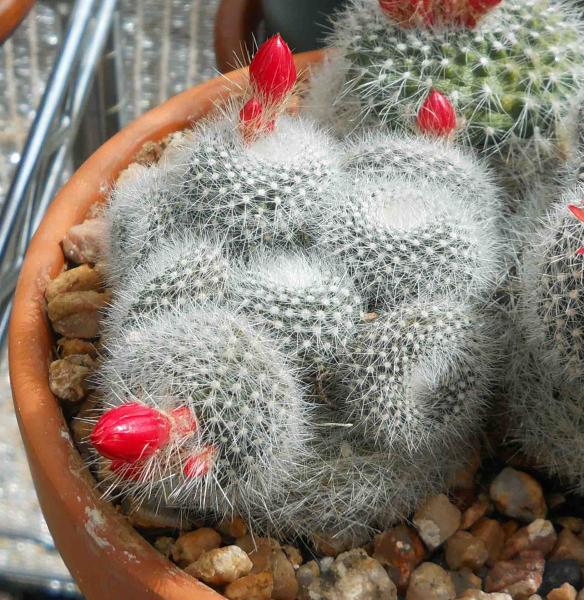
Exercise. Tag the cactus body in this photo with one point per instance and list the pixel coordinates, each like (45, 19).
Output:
(514, 80)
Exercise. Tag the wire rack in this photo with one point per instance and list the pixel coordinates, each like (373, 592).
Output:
(62, 94)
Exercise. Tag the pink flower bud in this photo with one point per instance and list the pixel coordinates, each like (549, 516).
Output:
(272, 71)
(577, 211)
(200, 463)
(437, 115)
(251, 120)
(580, 252)
(184, 421)
(130, 432)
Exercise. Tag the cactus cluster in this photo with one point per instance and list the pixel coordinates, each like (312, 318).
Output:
(509, 85)
(299, 325)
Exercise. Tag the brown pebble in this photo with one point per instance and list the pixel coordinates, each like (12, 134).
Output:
(479, 595)
(257, 586)
(430, 582)
(221, 565)
(475, 511)
(85, 243)
(325, 545)
(520, 577)
(68, 377)
(293, 555)
(305, 575)
(400, 550)
(164, 545)
(77, 314)
(465, 477)
(266, 554)
(144, 516)
(569, 546)
(509, 528)
(233, 527)
(565, 592)
(82, 278)
(464, 580)
(574, 524)
(67, 347)
(189, 546)
(465, 550)
(437, 520)
(492, 534)
(539, 535)
(518, 495)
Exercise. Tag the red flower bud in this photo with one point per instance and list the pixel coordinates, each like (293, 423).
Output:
(184, 421)
(409, 12)
(577, 211)
(437, 115)
(130, 432)
(580, 252)
(251, 120)
(126, 470)
(272, 70)
(200, 463)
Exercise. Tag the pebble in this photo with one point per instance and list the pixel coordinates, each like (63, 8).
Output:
(437, 520)
(463, 549)
(493, 535)
(479, 595)
(476, 511)
(569, 546)
(189, 546)
(518, 495)
(66, 347)
(539, 535)
(233, 527)
(164, 545)
(305, 575)
(465, 580)
(293, 555)
(257, 586)
(85, 243)
(267, 555)
(400, 550)
(221, 565)
(352, 575)
(325, 545)
(580, 595)
(520, 577)
(69, 377)
(510, 527)
(574, 524)
(565, 592)
(558, 572)
(77, 314)
(431, 582)
(82, 278)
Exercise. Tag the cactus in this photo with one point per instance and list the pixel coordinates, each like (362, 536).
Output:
(417, 378)
(408, 239)
(248, 421)
(193, 267)
(305, 299)
(513, 81)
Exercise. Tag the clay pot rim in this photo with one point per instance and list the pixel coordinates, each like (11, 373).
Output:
(87, 530)
(12, 12)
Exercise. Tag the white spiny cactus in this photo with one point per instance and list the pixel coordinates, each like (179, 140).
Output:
(405, 240)
(252, 420)
(193, 267)
(307, 300)
(417, 378)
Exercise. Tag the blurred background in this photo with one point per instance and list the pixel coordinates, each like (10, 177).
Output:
(72, 73)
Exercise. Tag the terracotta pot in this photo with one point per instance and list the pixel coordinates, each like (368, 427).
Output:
(107, 557)
(11, 14)
(235, 24)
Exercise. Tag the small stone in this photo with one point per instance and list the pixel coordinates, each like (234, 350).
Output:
(257, 586)
(77, 314)
(430, 582)
(574, 524)
(516, 494)
(539, 535)
(535, 597)
(267, 555)
(164, 545)
(85, 243)
(492, 534)
(67, 347)
(305, 575)
(465, 550)
(558, 572)
(144, 516)
(465, 580)
(400, 550)
(465, 477)
(478, 595)
(437, 520)
(520, 577)
(569, 546)
(69, 377)
(580, 595)
(189, 546)
(82, 278)
(352, 576)
(325, 545)
(233, 527)
(509, 528)
(221, 565)
(293, 555)
(565, 592)
(555, 501)
(476, 511)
